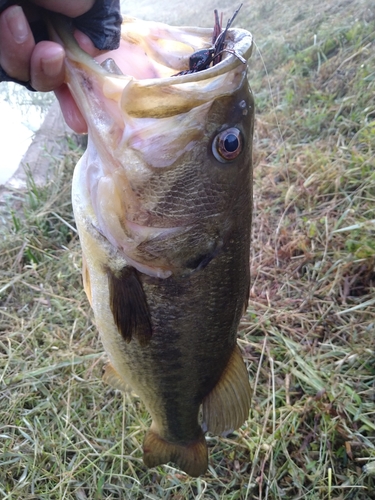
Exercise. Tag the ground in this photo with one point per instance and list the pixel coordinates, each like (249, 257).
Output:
(308, 334)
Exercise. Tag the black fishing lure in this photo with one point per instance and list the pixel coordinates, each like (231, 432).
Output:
(202, 59)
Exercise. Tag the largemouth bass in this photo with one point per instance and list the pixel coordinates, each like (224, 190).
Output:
(163, 200)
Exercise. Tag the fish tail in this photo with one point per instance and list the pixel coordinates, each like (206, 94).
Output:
(192, 458)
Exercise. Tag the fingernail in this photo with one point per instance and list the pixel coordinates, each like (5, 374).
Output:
(52, 63)
(17, 24)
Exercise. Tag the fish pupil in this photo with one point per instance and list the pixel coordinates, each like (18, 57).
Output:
(231, 143)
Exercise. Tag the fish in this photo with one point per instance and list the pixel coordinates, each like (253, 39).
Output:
(162, 200)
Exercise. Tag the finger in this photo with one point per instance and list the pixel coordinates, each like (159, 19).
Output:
(47, 63)
(70, 111)
(16, 42)
(70, 8)
(47, 66)
(86, 44)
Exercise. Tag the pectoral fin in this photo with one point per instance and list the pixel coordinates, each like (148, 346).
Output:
(112, 378)
(192, 458)
(227, 406)
(128, 304)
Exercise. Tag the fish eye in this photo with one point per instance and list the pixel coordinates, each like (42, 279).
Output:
(227, 145)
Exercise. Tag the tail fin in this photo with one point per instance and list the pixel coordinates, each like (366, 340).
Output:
(191, 458)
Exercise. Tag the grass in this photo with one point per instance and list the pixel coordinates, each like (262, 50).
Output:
(308, 335)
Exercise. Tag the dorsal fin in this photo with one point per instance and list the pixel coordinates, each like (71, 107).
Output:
(129, 306)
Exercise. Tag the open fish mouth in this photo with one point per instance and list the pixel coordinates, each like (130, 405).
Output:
(157, 53)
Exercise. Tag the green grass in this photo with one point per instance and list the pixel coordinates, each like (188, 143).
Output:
(309, 333)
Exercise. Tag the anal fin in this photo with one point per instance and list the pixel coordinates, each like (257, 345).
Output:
(112, 378)
(227, 406)
(191, 458)
(129, 306)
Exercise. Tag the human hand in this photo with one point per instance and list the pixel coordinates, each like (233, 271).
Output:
(42, 63)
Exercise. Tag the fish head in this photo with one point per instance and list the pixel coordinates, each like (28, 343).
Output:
(167, 172)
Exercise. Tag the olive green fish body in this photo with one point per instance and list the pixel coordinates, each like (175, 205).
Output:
(163, 201)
